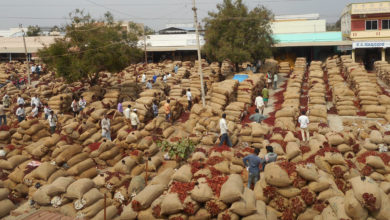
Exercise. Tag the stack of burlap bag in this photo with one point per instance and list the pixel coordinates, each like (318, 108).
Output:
(250, 88)
(284, 67)
(144, 103)
(382, 69)
(287, 116)
(178, 92)
(254, 134)
(30, 130)
(176, 109)
(226, 67)
(60, 103)
(222, 93)
(6, 205)
(367, 92)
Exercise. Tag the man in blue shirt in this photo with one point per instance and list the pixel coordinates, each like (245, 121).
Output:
(253, 161)
(176, 68)
(154, 78)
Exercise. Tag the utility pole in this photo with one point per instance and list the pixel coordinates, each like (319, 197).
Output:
(146, 53)
(199, 55)
(25, 51)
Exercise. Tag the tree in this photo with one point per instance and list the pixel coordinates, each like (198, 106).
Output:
(91, 46)
(33, 31)
(334, 27)
(237, 34)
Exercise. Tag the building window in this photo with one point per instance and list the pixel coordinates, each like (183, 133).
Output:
(372, 25)
(385, 24)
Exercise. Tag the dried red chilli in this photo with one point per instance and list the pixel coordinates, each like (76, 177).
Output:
(297, 206)
(319, 206)
(214, 172)
(216, 183)
(226, 216)
(181, 189)
(369, 201)
(298, 181)
(308, 196)
(189, 208)
(270, 192)
(281, 203)
(288, 214)
(196, 166)
(213, 208)
(289, 167)
(367, 170)
(340, 184)
(304, 149)
(214, 160)
(136, 205)
(156, 211)
(338, 172)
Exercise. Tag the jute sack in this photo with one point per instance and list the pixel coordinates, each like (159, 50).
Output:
(44, 171)
(148, 195)
(4, 192)
(384, 212)
(308, 172)
(260, 213)
(163, 178)
(337, 204)
(12, 162)
(41, 196)
(137, 184)
(110, 212)
(92, 210)
(286, 112)
(80, 167)
(247, 205)
(202, 193)
(292, 150)
(128, 213)
(68, 153)
(171, 204)
(375, 162)
(334, 139)
(6, 207)
(92, 196)
(125, 165)
(276, 176)
(376, 137)
(183, 174)
(77, 159)
(59, 185)
(328, 214)
(78, 188)
(232, 189)
(353, 208)
(361, 185)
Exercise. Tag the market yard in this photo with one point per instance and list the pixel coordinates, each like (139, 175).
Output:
(342, 172)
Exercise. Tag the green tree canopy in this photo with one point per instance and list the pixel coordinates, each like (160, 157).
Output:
(238, 34)
(91, 46)
(33, 31)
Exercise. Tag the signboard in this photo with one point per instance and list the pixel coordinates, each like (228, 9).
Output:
(371, 8)
(372, 44)
(344, 48)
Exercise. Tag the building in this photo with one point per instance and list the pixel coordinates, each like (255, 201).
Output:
(367, 25)
(306, 35)
(12, 32)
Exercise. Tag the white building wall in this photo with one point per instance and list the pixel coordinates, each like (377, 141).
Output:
(171, 40)
(305, 26)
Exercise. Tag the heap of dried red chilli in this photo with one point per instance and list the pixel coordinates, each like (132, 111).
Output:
(181, 189)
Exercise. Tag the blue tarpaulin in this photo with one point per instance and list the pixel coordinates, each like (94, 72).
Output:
(240, 77)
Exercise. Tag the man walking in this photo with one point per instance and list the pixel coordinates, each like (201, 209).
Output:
(34, 111)
(275, 81)
(189, 98)
(20, 100)
(134, 119)
(3, 118)
(265, 93)
(20, 113)
(105, 123)
(304, 122)
(75, 107)
(257, 117)
(259, 103)
(253, 161)
(167, 109)
(6, 101)
(52, 122)
(224, 131)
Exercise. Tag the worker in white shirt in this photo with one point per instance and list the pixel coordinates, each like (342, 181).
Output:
(304, 125)
(33, 68)
(224, 131)
(105, 123)
(275, 80)
(189, 99)
(20, 100)
(143, 78)
(34, 111)
(3, 117)
(134, 119)
(52, 122)
(259, 103)
(165, 78)
(20, 113)
(47, 111)
(35, 101)
(6, 101)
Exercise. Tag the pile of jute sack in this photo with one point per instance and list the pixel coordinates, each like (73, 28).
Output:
(343, 97)
(284, 67)
(76, 172)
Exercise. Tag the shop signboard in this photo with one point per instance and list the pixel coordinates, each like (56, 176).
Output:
(371, 44)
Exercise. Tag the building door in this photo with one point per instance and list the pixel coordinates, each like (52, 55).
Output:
(370, 56)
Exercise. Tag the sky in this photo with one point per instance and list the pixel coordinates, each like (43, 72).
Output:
(154, 13)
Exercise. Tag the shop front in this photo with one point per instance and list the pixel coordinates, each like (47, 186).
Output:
(367, 52)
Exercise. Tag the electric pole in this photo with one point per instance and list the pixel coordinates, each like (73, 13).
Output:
(25, 51)
(146, 53)
(199, 55)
